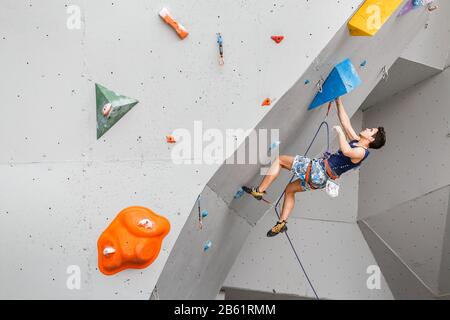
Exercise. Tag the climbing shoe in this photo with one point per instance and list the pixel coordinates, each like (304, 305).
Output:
(254, 192)
(279, 227)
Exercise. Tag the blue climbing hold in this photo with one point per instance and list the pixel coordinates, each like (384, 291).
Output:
(417, 3)
(342, 79)
(274, 145)
(204, 213)
(363, 64)
(307, 82)
(239, 193)
(207, 245)
(219, 39)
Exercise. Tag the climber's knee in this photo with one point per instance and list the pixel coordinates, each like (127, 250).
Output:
(293, 187)
(285, 161)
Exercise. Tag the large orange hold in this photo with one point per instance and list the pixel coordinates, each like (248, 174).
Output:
(132, 240)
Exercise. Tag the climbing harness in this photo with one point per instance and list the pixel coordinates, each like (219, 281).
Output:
(220, 42)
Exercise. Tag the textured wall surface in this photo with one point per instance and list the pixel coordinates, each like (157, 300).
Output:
(423, 58)
(415, 158)
(408, 230)
(297, 127)
(64, 186)
(334, 254)
(415, 231)
(432, 44)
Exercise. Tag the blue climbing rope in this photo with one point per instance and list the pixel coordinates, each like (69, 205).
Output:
(324, 123)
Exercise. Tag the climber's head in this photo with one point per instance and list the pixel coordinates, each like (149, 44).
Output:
(375, 137)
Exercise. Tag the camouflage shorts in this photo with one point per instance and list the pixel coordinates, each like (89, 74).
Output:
(318, 177)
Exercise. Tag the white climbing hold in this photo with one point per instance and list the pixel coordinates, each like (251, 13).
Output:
(146, 223)
(108, 250)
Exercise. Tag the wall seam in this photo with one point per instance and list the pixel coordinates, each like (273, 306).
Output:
(436, 295)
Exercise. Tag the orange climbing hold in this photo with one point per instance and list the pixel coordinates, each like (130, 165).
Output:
(266, 102)
(132, 240)
(170, 139)
(277, 39)
(178, 27)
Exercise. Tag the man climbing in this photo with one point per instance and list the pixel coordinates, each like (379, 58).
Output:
(314, 173)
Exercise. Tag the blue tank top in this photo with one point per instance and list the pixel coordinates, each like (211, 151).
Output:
(340, 163)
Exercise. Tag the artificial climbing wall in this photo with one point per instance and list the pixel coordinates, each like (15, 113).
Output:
(297, 126)
(61, 187)
(404, 193)
(331, 248)
(424, 57)
(400, 278)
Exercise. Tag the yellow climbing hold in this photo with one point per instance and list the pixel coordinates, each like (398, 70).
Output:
(371, 16)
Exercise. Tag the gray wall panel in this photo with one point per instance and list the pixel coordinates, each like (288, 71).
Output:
(415, 158)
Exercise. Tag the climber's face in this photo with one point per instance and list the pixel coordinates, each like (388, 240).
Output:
(369, 134)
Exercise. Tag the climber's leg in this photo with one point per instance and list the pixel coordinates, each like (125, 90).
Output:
(289, 199)
(284, 162)
(280, 162)
(288, 204)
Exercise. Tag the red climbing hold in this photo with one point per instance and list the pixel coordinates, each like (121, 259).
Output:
(132, 240)
(170, 139)
(277, 39)
(266, 102)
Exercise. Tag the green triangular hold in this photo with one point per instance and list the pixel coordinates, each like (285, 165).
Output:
(120, 105)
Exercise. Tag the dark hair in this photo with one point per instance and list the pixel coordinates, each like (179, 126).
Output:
(380, 139)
